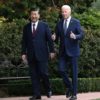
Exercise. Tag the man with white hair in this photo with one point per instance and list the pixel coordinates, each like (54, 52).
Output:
(68, 31)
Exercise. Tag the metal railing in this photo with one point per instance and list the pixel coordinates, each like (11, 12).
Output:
(9, 71)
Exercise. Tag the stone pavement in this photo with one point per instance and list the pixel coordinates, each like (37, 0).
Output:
(81, 96)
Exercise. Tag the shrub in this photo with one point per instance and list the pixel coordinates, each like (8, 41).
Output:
(14, 87)
(89, 61)
(10, 39)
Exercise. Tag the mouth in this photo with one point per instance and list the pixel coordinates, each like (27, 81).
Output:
(33, 18)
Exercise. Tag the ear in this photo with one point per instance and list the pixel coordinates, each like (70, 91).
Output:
(39, 16)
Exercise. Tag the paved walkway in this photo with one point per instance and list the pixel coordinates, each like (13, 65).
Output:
(81, 96)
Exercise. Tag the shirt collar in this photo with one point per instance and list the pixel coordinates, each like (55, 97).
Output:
(68, 19)
(36, 23)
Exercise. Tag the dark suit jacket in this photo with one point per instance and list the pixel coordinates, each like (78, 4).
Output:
(71, 46)
(40, 44)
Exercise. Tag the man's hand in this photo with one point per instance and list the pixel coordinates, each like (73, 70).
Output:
(72, 35)
(53, 37)
(24, 58)
(52, 55)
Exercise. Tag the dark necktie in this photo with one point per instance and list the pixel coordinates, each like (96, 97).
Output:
(65, 26)
(33, 29)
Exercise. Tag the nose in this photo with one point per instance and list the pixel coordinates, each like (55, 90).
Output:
(33, 16)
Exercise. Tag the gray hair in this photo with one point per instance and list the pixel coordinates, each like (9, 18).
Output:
(66, 6)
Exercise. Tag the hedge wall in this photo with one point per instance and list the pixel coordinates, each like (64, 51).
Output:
(89, 62)
(23, 87)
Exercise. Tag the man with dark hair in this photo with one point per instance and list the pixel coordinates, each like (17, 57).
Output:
(37, 47)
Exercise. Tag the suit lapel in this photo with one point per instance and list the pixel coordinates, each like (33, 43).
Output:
(36, 31)
(70, 24)
(61, 26)
(37, 27)
(30, 29)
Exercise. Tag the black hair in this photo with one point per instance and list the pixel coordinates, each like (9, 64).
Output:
(34, 9)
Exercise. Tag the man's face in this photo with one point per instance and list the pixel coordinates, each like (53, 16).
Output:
(34, 15)
(66, 12)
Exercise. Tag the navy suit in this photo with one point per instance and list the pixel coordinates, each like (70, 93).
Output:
(37, 47)
(69, 51)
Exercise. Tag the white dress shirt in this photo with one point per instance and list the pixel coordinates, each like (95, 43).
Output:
(68, 21)
(36, 24)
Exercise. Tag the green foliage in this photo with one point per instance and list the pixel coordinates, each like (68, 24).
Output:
(96, 4)
(81, 6)
(13, 87)
(90, 57)
(90, 47)
(89, 19)
(89, 84)
(10, 38)
(89, 62)
(15, 9)
(51, 16)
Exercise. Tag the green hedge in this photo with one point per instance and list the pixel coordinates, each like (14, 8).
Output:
(23, 87)
(89, 62)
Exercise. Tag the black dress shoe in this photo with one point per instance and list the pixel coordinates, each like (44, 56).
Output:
(73, 98)
(35, 98)
(49, 94)
(68, 93)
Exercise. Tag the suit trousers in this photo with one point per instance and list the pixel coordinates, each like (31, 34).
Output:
(39, 71)
(63, 67)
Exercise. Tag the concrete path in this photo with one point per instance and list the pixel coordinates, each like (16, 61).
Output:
(81, 96)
